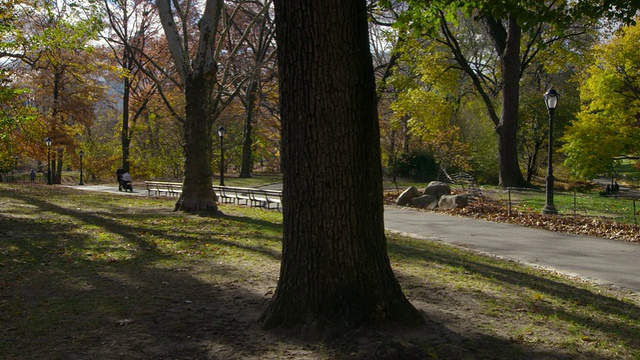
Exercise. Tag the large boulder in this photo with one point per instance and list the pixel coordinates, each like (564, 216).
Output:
(437, 189)
(405, 198)
(425, 202)
(453, 201)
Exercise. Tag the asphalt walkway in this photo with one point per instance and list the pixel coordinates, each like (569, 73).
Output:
(112, 189)
(604, 261)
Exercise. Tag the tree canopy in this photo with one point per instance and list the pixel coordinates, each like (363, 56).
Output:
(518, 32)
(608, 123)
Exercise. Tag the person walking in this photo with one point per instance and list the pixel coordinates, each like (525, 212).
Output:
(32, 175)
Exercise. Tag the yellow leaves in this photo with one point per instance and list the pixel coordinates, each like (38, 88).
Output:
(606, 125)
(538, 296)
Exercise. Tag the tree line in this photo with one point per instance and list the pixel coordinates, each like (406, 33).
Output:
(460, 88)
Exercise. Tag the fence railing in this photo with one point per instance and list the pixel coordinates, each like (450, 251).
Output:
(622, 206)
(41, 177)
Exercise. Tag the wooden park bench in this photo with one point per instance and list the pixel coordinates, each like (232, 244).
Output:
(264, 198)
(157, 188)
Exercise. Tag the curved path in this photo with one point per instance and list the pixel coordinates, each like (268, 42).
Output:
(604, 261)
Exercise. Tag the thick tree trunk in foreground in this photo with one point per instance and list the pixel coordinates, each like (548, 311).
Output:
(335, 272)
(197, 189)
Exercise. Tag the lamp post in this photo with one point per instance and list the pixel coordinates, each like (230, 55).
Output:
(81, 155)
(551, 100)
(48, 142)
(221, 132)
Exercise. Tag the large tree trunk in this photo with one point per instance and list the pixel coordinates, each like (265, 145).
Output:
(508, 47)
(335, 272)
(198, 76)
(197, 189)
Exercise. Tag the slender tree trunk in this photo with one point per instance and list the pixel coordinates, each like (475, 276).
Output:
(335, 273)
(391, 151)
(125, 124)
(247, 141)
(532, 160)
(53, 165)
(405, 134)
(197, 190)
(57, 179)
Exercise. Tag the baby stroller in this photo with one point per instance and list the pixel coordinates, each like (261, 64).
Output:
(124, 180)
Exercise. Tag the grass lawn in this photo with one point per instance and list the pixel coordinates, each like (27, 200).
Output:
(98, 276)
(257, 179)
(619, 209)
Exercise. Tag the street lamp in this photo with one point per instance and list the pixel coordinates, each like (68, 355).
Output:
(551, 99)
(221, 132)
(48, 142)
(81, 155)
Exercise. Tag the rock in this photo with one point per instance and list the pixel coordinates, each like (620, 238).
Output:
(425, 202)
(405, 198)
(437, 189)
(453, 201)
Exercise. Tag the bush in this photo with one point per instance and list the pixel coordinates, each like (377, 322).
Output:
(418, 166)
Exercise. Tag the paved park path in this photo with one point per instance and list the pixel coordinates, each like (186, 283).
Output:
(604, 261)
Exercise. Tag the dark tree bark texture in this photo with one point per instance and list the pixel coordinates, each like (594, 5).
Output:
(335, 273)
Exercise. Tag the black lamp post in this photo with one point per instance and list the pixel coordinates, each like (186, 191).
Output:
(81, 155)
(551, 99)
(221, 132)
(48, 142)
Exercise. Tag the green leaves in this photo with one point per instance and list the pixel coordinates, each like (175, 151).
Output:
(607, 125)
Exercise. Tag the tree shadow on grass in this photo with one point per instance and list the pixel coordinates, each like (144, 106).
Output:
(62, 305)
(57, 303)
(135, 234)
(578, 304)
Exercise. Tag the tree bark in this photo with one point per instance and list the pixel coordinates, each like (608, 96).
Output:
(507, 42)
(247, 140)
(335, 273)
(126, 140)
(57, 166)
(198, 76)
(197, 189)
